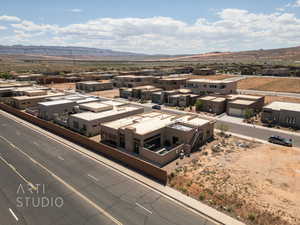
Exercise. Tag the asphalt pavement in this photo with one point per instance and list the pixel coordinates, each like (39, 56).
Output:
(92, 193)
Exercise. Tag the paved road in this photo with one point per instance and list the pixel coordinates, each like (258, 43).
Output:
(121, 198)
(50, 203)
(258, 132)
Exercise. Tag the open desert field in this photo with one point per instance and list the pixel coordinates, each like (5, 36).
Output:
(62, 86)
(211, 77)
(270, 84)
(256, 183)
(269, 99)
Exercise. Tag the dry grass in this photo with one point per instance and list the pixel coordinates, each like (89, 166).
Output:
(259, 185)
(269, 99)
(211, 77)
(270, 84)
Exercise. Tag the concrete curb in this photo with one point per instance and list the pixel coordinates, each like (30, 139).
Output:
(176, 196)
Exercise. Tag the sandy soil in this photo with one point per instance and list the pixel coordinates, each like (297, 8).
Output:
(211, 77)
(269, 99)
(62, 86)
(108, 93)
(270, 84)
(259, 183)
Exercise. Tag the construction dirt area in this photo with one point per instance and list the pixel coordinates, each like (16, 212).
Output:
(62, 86)
(253, 182)
(211, 77)
(270, 84)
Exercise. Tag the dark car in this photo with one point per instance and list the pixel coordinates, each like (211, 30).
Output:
(280, 141)
(158, 107)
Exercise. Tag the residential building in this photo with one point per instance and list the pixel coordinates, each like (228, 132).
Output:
(204, 71)
(282, 113)
(182, 100)
(238, 105)
(28, 77)
(213, 104)
(132, 81)
(179, 97)
(90, 86)
(281, 72)
(88, 123)
(48, 110)
(171, 83)
(141, 92)
(206, 86)
(23, 102)
(157, 137)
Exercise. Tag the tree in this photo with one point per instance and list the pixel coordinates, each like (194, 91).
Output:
(249, 113)
(5, 76)
(199, 105)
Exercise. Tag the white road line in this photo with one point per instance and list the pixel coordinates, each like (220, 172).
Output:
(17, 172)
(94, 178)
(61, 158)
(14, 215)
(147, 210)
(68, 186)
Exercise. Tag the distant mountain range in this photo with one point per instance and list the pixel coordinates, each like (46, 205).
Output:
(62, 51)
(276, 55)
(83, 53)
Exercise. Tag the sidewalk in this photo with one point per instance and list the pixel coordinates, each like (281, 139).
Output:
(174, 195)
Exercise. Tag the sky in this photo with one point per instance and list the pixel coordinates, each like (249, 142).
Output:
(152, 27)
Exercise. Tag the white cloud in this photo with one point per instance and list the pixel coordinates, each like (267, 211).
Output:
(234, 29)
(2, 28)
(9, 18)
(75, 10)
(294, 5)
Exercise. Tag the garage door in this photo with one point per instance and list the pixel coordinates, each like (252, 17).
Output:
(235, 112)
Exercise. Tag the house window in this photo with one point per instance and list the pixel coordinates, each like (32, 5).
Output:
(175, 139)
(75, 124)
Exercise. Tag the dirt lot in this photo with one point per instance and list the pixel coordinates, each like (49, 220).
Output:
(269, 99)
(107, 94)
(62, 86)
(270, 84)
(211, 77)
(256, 183)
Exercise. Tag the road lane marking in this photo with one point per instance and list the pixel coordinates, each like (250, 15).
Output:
(147, 210)
(14, 215)
(94, 178)
(17, 172)
(104, 212)
(84, 153)
(61, 158)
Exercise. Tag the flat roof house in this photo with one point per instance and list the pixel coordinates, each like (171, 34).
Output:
(48, 110)
(282, 113)
(205, 86)
(171, 83)
(23, 102)
(90, 86)
(204, 71)
(213, 104)
(88, 123)
(157, 137)
(133, 81)
(237, 105)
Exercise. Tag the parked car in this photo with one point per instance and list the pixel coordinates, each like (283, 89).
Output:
(280, 141)
(158, 107)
